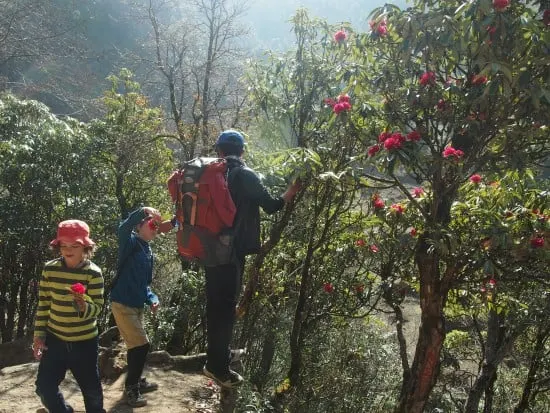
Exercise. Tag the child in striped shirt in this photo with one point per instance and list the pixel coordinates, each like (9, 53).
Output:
(65, 333)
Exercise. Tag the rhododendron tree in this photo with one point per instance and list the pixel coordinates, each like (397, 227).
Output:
(472, 91)
(454, 89)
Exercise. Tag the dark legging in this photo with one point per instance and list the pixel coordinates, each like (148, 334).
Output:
(136, 362)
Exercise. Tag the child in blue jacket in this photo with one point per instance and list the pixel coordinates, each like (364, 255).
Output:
(132, 291)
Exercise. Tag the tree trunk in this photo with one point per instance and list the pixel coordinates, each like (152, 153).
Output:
(425, 368)
(543, 334)
(490, 394)
(268, 352)
(497, 346)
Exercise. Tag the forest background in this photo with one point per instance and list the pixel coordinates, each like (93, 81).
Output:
(411, 274)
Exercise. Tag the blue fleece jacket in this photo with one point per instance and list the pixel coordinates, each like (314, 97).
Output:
(135, 263)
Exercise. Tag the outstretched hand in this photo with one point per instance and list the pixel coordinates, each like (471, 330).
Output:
(292, 190)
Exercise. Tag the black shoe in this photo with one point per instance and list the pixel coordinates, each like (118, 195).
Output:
(229, 380)
(134, 397)
(147, 386)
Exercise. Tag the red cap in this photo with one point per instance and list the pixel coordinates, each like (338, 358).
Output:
(72, 231)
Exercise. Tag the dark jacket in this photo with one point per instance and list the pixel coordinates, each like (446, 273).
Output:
(135, 263)
(249, 195)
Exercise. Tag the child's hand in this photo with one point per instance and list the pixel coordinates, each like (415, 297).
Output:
(38, 348)
(155, 307)
(79, 301)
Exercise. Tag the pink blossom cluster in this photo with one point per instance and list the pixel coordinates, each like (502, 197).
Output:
(379, 28)
(537, 241)
(427, 79)
(340, 36)
(393, 140)
(342, 104)
(501, 5)
(475, 179)
(377, 202)
(397, 209)
(450, 152)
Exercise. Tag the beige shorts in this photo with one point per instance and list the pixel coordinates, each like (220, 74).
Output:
(130, 324)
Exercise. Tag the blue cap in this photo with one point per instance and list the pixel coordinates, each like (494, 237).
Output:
(231, 137)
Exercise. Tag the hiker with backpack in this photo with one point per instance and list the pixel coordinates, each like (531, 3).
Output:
(131, 291)
(223, 281)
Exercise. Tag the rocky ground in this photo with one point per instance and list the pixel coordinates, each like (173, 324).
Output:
(178, 392)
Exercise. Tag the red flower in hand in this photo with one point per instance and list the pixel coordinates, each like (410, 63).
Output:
(78, 288)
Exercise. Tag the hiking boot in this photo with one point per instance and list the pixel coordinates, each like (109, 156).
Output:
(147, 386)
(228, 380)
(134, 397)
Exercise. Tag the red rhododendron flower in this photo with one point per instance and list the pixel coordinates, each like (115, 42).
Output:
(546, 17)
(374, 248)
(392, 143)
(441, 104)
(330, 102)
(398, 208)
(398, 137)
(491, 29)
(343, 98)
(340, 36)
(359, 288)
(475, 178)
(78, 288)
(479, 80)
(427, 78)
(500, 5)
(360, 243)
(338, 108)
(450, 152)
(328, 287)
(418, 192)
(413, 232)
(378, 203)
(379, 28)
(382, 29)
(153, 225)
(373, 150)
(413, 136)
(537, 242)
(341, 107)
(383, 136)
(346, 105)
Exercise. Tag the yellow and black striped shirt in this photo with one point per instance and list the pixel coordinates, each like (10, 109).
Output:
(56, 313)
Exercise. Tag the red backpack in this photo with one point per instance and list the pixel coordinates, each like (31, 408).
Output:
(204, 209)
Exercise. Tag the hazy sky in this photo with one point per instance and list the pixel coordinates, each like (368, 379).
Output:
(268, 19)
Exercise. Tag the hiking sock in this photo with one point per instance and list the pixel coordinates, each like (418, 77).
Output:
(136, 361)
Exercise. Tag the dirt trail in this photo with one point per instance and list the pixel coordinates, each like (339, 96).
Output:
(177, 393)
